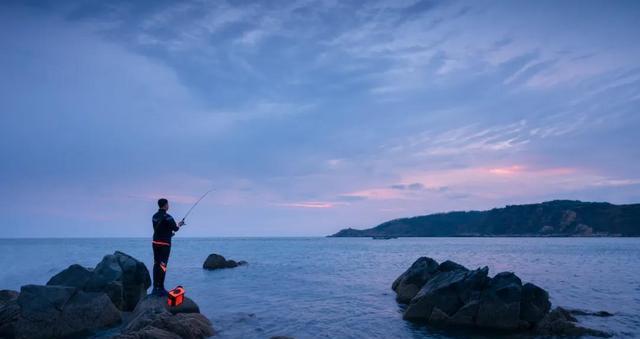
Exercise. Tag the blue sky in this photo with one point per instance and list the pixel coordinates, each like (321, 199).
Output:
(310, 116)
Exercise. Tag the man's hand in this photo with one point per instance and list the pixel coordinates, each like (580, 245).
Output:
(181, 223)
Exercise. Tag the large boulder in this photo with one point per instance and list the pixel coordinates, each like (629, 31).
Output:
(61, 311)
(216, 261)
(450, 295)
(153, 318)
(123, 278)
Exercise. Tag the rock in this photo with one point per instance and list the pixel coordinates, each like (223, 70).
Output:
(500, 303)
(473, 283)
(448, 291)
(123, 278)
(61, 311)
(160, 303)
(8, 295)
(74, 276)
(438, 317)
(216, 261)
(153, 318)
(450, 266)
(149, 332)
(559, 322)
(79, 302)
(411, 281)
(590, 313)
(453, 296)
(165, 325)
(242, 263)
(466, 315)
(441, 292)
(535, 303)
(9, 313)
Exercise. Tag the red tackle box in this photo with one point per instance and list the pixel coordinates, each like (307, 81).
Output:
(176, 296)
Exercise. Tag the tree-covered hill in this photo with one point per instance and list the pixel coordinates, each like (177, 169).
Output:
(552, 218)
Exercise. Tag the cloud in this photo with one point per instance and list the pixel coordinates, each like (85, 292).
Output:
(310, 204)
(369, 110)
(506, 170)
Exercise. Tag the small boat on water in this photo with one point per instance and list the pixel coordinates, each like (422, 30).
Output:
(383, 237)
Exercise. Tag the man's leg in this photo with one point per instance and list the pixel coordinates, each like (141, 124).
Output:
(160, 259)
(156, 267)
(164, 259)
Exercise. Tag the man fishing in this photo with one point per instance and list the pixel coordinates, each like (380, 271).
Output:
(164, 227)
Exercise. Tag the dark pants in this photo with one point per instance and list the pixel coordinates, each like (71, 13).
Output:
(160, 260)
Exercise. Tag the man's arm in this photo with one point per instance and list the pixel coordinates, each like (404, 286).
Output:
(172, 224)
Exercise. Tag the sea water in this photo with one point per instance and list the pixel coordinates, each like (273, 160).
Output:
(341, 287)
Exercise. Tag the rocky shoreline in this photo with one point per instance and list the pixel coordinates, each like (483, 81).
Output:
(80, 302)
(448, 295)
(110, 300)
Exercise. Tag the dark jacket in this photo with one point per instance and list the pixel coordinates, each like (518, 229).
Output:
(163, 226)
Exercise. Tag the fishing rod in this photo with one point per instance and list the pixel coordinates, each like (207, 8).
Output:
(196, 204)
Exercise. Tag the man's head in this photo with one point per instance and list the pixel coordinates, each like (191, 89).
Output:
(163, 204)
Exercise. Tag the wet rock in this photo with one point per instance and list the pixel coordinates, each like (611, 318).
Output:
(216, 261)
(123, 278)
(60, 311)
(411, 281)
(500, 303)
(466, 315)
(74, 276)
(535, 303)
(440, 292)
(590, 313)
(450, 266)
(153, 318)
(560, 322)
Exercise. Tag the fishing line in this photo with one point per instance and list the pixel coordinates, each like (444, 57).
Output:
(196, 204)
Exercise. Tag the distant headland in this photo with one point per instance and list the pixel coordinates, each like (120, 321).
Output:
(557, 218)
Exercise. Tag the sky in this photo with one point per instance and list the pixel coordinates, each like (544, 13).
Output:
(310, 116)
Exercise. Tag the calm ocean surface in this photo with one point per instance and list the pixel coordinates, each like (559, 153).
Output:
(340, 288)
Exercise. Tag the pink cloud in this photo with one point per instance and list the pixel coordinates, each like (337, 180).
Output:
(506, 170)
(310, 204)
(484, 181)
(376, 194)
